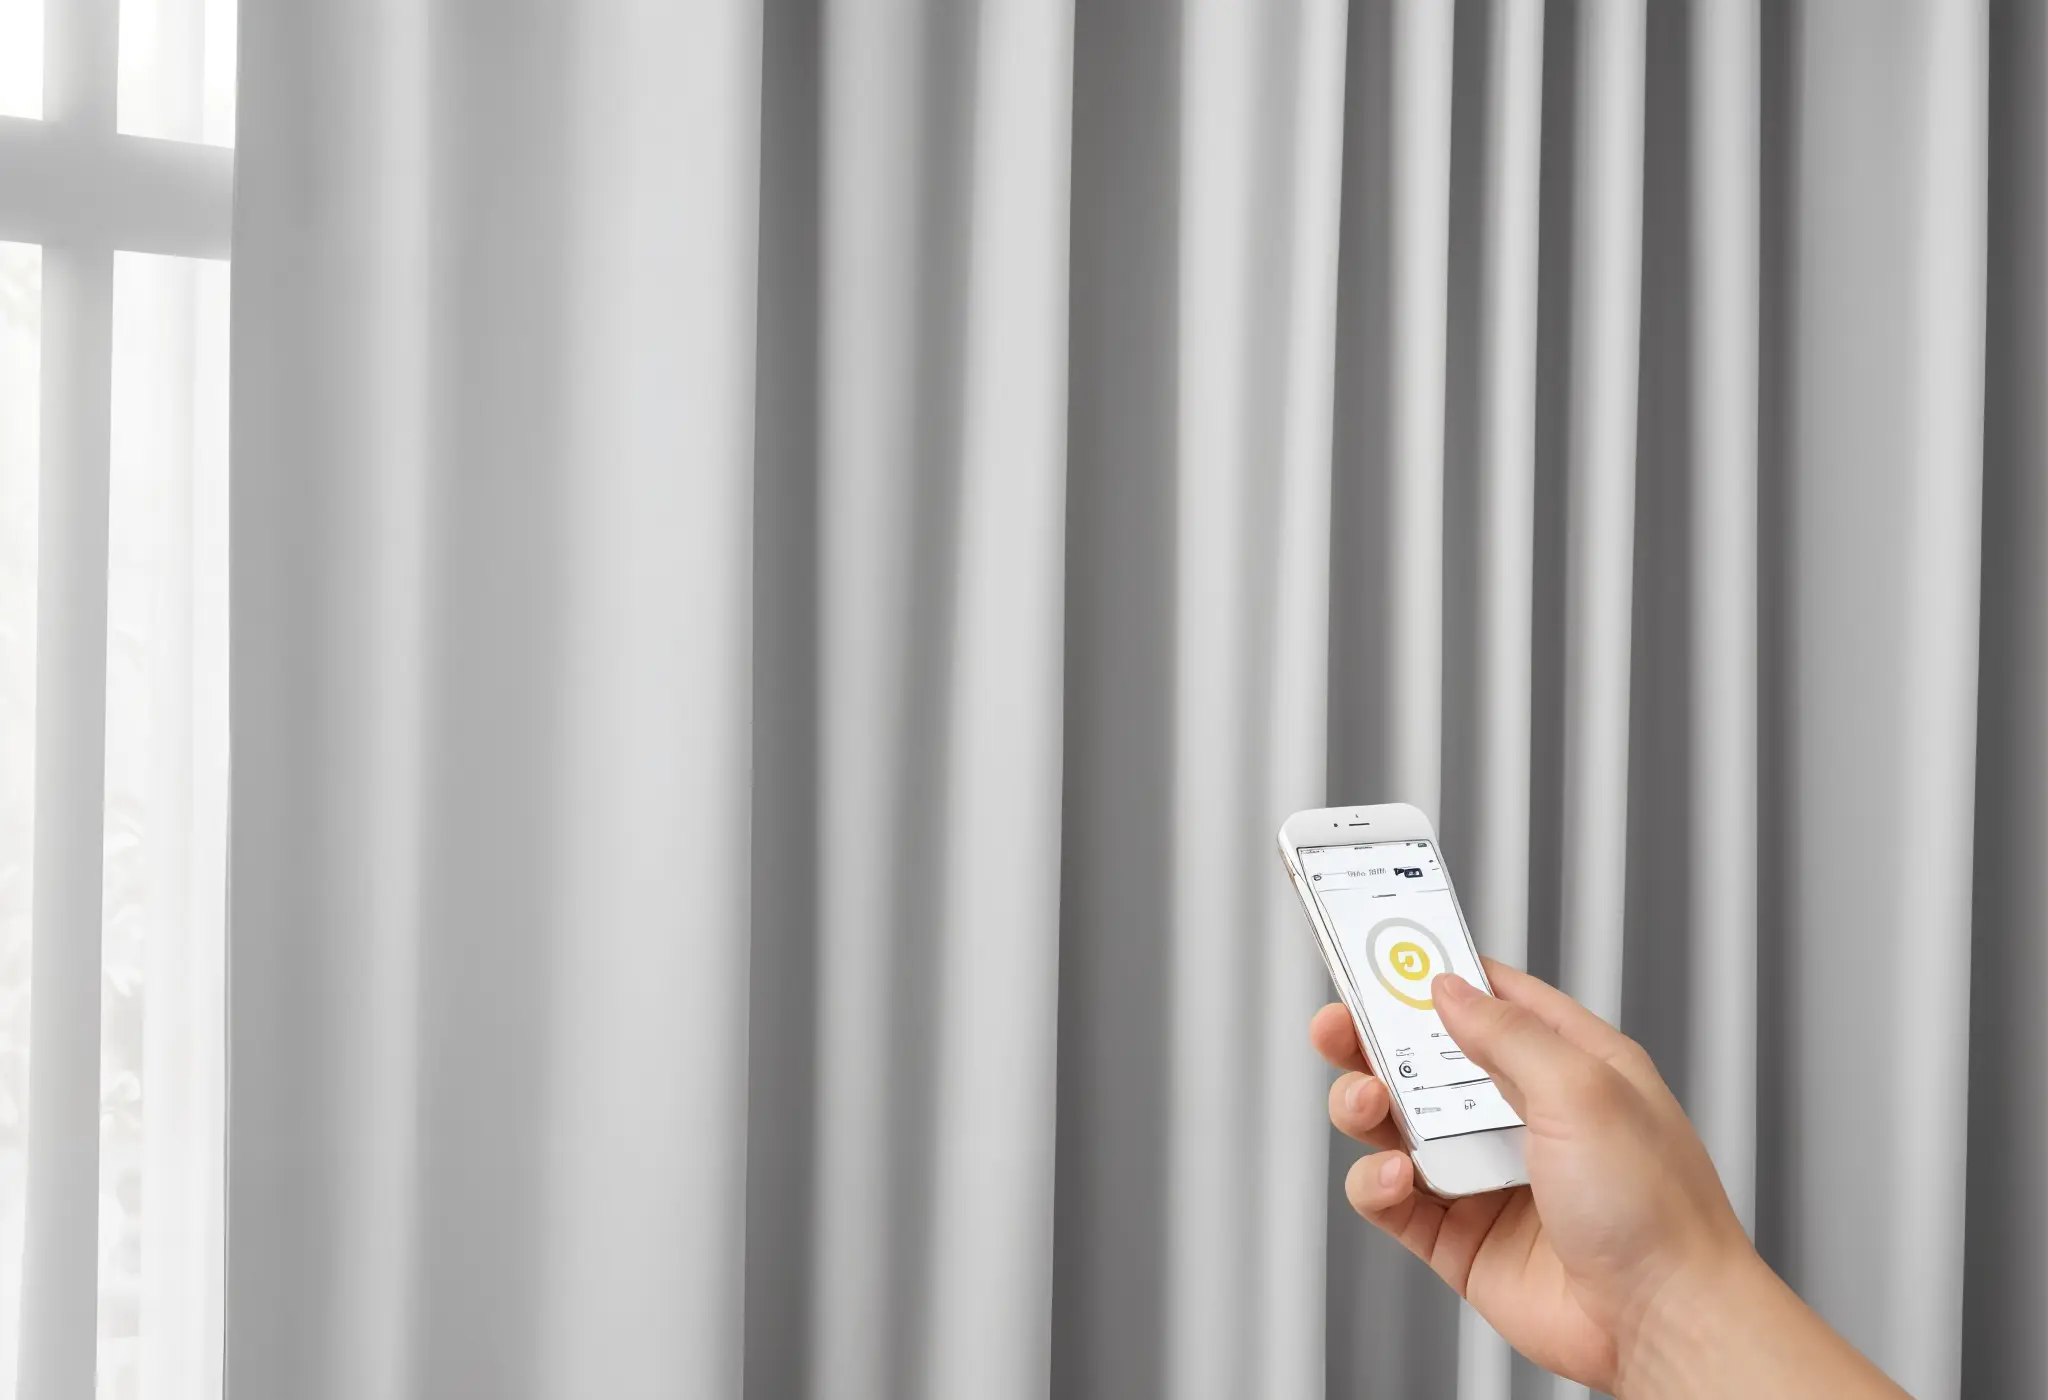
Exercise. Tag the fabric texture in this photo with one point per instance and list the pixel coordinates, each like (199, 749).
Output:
(789, 562)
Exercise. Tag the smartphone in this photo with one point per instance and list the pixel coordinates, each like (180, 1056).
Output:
(1379, 896)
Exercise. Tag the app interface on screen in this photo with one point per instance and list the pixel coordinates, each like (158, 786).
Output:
(1397, 926)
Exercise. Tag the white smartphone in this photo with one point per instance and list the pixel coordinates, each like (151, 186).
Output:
(1379, 896)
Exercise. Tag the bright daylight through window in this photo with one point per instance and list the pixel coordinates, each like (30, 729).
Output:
(115, 179)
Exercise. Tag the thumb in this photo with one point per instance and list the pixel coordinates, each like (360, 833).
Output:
(1529, 1061)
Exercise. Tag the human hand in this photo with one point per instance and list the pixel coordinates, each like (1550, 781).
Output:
(1623, 1248)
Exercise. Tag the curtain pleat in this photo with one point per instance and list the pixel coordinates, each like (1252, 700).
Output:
(2005, 1277)
(1293, 1167)
(1883, 576)
(789, 561)
(1110, 1212)
(1491, 521)
(1223, 517)
(330, 1292)
(897, 119)
(1386, 1326)
(996, 864)
(440, 591)
(1600, 481)
(1496, 812)
(657, 367)
(1941, 614)
(783, 1156)
(1724, 87)
(1418, 195)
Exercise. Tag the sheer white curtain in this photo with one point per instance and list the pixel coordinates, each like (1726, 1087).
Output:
(115, 208)
(789, 560)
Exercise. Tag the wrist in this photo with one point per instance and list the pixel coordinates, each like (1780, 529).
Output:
(1704, 1314)
(1730, 1325)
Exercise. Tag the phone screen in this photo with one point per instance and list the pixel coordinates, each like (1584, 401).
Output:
(1397, 926)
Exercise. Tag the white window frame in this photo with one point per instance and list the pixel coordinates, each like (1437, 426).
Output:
(71, 183)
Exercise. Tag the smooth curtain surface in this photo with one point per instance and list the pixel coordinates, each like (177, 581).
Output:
(789, 561)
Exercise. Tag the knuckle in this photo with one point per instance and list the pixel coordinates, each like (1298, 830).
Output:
(1497, 1017)
(1596, 1087)
(1631, 1058)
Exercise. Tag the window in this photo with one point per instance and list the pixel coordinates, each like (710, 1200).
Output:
(115, 196)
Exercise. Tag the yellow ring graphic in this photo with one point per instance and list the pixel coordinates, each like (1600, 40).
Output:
(1409, 960)
(1424, 942)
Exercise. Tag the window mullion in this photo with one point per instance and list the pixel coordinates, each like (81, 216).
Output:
(70, 179)
(59, 1332)
(59, 188)
(81, 63)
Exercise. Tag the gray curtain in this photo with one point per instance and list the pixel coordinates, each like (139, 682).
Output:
(789, 560)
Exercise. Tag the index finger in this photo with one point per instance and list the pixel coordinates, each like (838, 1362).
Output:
(1534, 1067)
(1577, 1024)
(1336, 1039)
(1552, 1007)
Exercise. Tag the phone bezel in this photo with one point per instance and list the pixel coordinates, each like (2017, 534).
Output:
(1466, 1165)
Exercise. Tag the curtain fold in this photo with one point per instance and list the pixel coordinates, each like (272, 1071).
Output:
(1600, 465)
(1722, 203)
(652, 635)
(469, 493)
(2004, 1288)
(1884, 567)
(1238, 1309)
(790, 559)
(999, 990)
(1489, 481)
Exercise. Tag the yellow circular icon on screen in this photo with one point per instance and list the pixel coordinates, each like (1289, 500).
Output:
(1403, 954)
(1409, 961)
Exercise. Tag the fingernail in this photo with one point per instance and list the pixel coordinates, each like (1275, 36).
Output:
(1355, 1100)
(1452, 988)
(1390, 1171)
